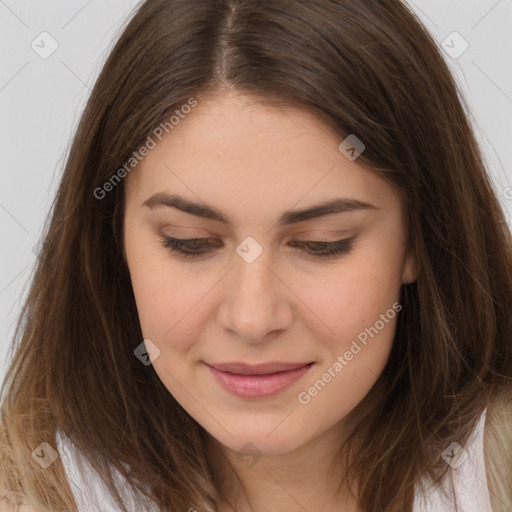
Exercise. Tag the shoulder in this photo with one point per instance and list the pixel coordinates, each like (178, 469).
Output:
(498, 449)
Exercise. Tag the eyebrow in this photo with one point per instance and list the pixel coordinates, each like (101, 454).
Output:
(329, 207)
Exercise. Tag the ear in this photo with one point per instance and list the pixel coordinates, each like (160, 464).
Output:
(409, 270)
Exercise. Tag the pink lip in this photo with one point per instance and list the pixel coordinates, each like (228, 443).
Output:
(258, 381)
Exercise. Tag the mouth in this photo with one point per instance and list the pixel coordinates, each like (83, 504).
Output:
(258, 381)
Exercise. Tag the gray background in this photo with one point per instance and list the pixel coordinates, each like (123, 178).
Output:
(41, 100)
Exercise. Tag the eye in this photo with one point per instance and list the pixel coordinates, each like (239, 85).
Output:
(188, 248)
(195, 247)
(326, 249)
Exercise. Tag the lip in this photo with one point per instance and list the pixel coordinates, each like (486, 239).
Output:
(258, 381)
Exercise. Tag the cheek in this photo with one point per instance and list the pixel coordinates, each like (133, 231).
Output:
(357, 309)
(352, 298)
(165, 297)
(361, 314)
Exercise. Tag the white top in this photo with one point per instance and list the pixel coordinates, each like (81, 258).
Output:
(89, 491)
(467, 472)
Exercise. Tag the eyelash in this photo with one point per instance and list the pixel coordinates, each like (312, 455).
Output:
(332, 249)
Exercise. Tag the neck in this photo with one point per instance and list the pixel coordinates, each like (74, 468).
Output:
(305, 479)
(311, 477)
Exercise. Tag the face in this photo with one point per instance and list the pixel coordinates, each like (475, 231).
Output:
(275, 325)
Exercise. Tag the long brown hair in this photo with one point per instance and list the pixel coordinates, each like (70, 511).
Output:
(366, 68)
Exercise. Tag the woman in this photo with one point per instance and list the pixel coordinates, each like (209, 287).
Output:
(276, 276)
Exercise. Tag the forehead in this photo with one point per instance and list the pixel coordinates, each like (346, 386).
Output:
(233, 150)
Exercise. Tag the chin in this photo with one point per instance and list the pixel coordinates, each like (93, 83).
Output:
(260, 442)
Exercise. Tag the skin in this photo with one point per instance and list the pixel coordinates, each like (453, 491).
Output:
(253, 162)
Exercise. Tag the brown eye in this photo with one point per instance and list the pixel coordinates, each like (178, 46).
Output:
(191, 247)
(326, 249)
(201, 246)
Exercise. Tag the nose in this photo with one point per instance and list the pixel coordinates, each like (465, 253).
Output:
(256, 301)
